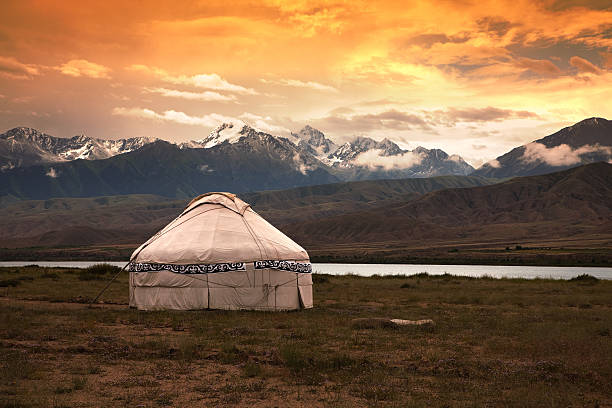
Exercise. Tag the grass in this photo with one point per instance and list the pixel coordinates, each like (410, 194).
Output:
(496, 342)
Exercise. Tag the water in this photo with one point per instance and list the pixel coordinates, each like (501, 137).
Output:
(495, 271)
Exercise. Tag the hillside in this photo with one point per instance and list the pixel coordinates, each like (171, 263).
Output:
(133, 218)
(574, 204)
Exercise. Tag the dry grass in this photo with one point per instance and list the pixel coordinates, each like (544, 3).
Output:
(495, 343)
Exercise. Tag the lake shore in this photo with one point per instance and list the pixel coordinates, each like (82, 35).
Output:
(510, 342)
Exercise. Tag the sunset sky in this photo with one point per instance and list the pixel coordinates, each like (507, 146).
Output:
(474, 78)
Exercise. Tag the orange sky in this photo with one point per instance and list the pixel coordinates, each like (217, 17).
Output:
(473, 78)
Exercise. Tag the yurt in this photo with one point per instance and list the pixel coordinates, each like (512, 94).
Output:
(220, 254)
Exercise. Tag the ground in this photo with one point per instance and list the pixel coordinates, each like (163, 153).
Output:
(495, 343)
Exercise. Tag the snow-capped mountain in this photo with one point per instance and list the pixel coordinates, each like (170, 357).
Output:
(226, 132)
(364, 158)
(346, 154)
(22, 146)
(314, 141)
(587, 141)
(307, 151)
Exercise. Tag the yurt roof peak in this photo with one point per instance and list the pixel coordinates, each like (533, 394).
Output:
(228, 200)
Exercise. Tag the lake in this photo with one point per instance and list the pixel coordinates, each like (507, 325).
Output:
(495, 271)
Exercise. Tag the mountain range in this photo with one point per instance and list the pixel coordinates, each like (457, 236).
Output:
(236, 157)
(22, 147)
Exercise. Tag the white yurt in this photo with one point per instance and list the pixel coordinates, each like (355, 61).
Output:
(220, 254)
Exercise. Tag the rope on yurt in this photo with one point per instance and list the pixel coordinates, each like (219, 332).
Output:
(109, 283)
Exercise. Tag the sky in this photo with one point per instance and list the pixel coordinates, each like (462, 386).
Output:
(474, 78)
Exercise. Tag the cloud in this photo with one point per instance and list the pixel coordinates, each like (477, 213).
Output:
(203, 168)
(198, 96)
(584, 66)
(84, 68)
(348, 120)
(263, 123)
(391, 119)
(52, 173)
(562, 155)
(607, 59)
(542, 67)
(301, 166)
(374, 159)
(479, 146)
(488, 114)
(11, 68)
(493, 163)
(210, 120)
(455, 158)
(206, 81)
(300, 84)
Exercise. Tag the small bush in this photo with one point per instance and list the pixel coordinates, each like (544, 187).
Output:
(9, 282)
(98, 272)
(293, 357)
(230, 354)
(102, 269)
(78, 383)
(585, 278)
(251, 369)
(320, 278)
(406, 286)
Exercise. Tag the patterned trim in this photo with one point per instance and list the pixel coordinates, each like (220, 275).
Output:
(188, 269)
(290, 266)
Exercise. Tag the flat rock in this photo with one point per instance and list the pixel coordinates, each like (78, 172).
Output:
(379, 322)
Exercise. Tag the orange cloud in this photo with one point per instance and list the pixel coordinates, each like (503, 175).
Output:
(584, 65)
(84, 68)
(207, 81)
(11, 68)
(544, 67)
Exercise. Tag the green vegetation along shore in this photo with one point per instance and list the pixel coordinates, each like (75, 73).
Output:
(508, 342)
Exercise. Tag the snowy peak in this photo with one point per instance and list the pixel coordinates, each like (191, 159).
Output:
(230, 132)
(364, 158)
(314, 141)
(24, 146)
(226, 132)
(349, 151)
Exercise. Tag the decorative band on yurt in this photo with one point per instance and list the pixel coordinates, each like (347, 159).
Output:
(290, 266)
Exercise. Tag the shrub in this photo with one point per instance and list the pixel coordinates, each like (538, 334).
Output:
(320, 278)
(102, 269)
(98, 272)
(251, 369)
(584, 278)
(9, 282)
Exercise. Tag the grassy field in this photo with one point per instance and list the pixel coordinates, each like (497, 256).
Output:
(511, 343)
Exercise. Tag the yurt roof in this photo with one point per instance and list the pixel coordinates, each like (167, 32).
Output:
(217, 228)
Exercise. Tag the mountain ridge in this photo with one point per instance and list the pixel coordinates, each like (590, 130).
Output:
(587, 141)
